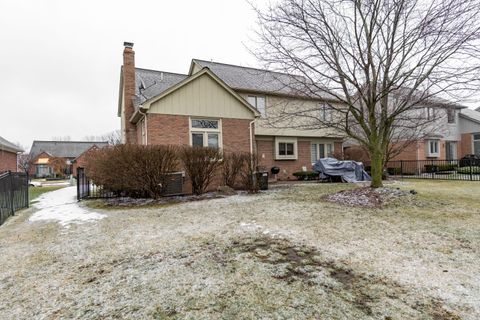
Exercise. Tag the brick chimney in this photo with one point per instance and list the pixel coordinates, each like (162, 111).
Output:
(129, 91)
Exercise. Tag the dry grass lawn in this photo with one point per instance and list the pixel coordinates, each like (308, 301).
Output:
(283, 254)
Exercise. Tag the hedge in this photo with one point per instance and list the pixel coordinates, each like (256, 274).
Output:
(306, 175)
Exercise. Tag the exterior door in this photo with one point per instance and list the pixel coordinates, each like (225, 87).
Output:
(451, 150)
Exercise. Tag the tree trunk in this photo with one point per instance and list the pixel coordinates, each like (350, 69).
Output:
(376, 169)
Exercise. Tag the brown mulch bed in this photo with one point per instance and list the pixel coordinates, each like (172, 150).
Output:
(367, 197)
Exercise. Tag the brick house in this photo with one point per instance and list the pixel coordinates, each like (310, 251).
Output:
(219, 105)
(8, 155)
(453, 133)
(44, 154)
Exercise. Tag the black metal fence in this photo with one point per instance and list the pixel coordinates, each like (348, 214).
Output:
(13, 193)
(86, 189)
(467, 170)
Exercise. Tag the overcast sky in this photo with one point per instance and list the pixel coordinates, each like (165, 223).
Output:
(60, 60)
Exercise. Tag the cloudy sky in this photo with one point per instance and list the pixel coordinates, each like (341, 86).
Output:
(60, 59)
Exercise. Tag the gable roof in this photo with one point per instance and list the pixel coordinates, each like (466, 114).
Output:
(151, 83)
(64, 149)
(6, 145)
(260, 80)
(470, 114)
(189, 79)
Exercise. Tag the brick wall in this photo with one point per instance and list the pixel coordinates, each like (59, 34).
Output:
(465, 145)
(236, 135)
(168, 129)
(266, 154)
(8, 161)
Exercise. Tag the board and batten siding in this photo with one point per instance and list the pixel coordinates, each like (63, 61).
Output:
(202, 97)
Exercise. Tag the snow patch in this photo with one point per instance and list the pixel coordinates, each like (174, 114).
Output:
(61, 205)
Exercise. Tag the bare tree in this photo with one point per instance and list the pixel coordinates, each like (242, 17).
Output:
(62, 138)
(377, 65)
(113, 138)
(25, 161)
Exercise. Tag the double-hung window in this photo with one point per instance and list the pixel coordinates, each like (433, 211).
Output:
(321, 150)
(430, 113)
(325, 113)
(451, 115)
(205, 133)
(285, 148)
(433, 148)
(476, 144)
(258, 102)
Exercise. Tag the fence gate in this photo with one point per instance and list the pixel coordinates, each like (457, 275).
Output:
(83, 184)
(13, 193)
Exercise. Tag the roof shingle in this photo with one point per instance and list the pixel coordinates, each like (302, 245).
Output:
(64, 149)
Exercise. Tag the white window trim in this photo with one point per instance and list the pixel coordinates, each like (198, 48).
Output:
(286, 140)
(205, 131)
(431, 154)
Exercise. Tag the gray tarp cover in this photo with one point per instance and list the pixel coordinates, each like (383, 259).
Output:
(350, 171)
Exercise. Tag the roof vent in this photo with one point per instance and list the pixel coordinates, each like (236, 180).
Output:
(161, 76)
(128, 44)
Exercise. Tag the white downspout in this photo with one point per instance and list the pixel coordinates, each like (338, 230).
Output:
(251, 135)
(146, 125)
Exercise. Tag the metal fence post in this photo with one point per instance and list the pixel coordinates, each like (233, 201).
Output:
(401, 169)
(471, 170)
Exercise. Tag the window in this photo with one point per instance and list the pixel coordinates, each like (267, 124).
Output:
(430, 113)
(258, 102)
(476, 144)
(286, 148)
(205, 133)
(451, 115)
(325, 113)
(433, 148)
(321, 150)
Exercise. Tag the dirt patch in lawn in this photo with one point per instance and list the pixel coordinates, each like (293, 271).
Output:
(367, 293)
(368, 197)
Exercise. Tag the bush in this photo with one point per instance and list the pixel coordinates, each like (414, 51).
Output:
(232, 165)
(133, 170)
(248, 173)
(430, 168)
(306, 175)
(394, 171)
(200, 164)
(468, 170)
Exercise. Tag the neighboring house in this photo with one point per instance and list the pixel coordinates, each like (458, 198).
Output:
(469, 128)
(219, 105)
(451, 134)
(47, 156)
(8, 155)
(81, 160)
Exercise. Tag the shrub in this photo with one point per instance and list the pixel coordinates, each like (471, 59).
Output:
(248, 173)
(468, 170)
(306, 175)
(394, 171)
(232, 165)
(200, 164)
(430, 168)
(133, 170)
